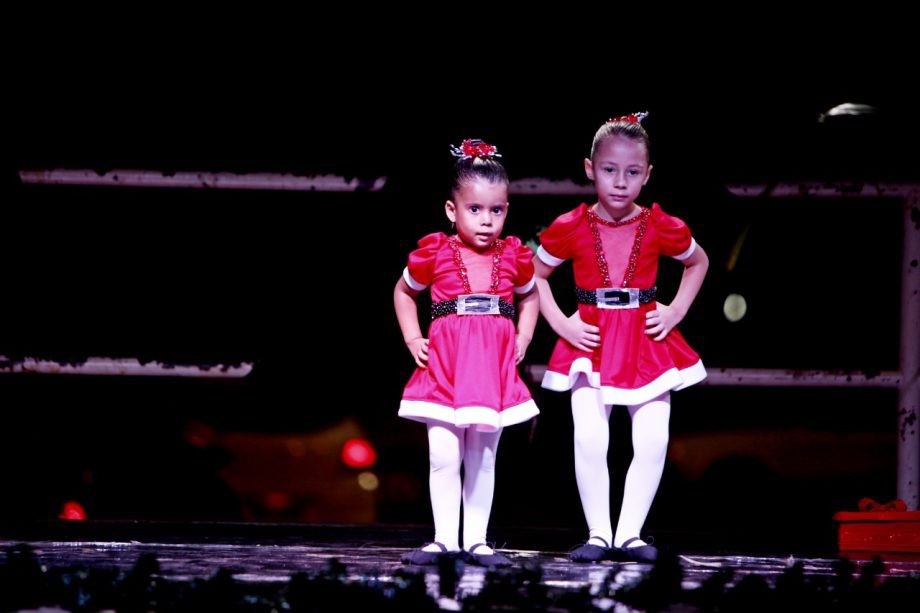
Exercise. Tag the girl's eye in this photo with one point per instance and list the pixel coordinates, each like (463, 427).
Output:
(474, 209)
(498, 210)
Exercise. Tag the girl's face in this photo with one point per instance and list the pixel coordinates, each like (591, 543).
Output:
(619, 170)
(479, 209)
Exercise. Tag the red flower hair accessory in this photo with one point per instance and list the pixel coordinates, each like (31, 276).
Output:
(631, 118)
(474, 148)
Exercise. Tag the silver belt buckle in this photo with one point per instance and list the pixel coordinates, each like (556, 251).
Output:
(477, 304)
(617, 297)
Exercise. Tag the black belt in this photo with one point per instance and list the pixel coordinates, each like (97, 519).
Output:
(449, 307)
(616, 297)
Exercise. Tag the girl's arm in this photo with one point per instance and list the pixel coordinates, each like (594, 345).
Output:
(660, 322)
(407, 316)
(577, 333)
(528, 311)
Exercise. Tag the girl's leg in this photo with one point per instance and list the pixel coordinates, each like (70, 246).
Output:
(650, 445)
(480, 451)
(445, 455)
(592, 435)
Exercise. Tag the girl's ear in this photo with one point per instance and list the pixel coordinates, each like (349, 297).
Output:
(451, 209)
(648, 173)
(589, 168)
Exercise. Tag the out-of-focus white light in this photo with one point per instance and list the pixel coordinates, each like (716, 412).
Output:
(735, 307)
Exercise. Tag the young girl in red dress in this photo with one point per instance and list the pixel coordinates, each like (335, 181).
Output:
(620, 347)
(466, 387)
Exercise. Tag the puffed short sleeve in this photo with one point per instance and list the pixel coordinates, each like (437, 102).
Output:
(673, 235)
(420, 270)
(557, 241)
(523, 265)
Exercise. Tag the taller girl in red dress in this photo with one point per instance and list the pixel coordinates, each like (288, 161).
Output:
(620, 347)
(466, 387)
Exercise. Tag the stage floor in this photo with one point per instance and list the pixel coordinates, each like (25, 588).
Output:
(267, 557)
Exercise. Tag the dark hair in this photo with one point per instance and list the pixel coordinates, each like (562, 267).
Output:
(621, 127)
(468, 169)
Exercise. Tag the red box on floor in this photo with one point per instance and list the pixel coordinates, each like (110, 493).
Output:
(879, 531)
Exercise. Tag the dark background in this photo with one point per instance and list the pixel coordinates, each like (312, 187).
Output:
(301, 283)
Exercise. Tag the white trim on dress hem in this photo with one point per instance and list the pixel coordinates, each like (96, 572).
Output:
(483, 418)
(672, 379)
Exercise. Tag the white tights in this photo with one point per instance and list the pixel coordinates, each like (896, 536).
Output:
(449, 447)
(650, 444)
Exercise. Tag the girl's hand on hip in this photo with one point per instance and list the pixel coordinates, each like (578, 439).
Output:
(661, 321)
(581, 335)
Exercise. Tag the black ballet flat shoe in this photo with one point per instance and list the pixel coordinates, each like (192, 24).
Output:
(642, 553)
(588, 553)
(420, 557)
(486, 559)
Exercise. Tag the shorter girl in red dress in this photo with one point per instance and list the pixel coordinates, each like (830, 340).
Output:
(466, 387)
(621, 346)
